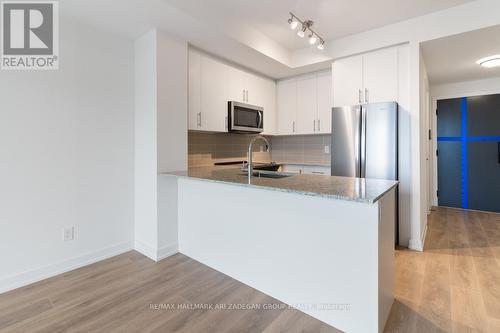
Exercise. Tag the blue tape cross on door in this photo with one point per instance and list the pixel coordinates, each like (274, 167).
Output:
(469, 152)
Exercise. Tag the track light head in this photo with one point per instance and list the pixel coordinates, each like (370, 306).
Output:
(302, 32)
(312, 39)
(293, 23)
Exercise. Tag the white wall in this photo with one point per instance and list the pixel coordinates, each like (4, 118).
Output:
(145, 167)
(404, 151)
(172, 137)
(424, 149)
(172, 100)
(160, 139)
(454, 90)
(66, 158)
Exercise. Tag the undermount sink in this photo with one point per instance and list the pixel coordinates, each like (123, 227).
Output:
(271, 174)
(267, 166)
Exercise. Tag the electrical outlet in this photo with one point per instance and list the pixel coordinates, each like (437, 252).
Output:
(327, 149)
(68, 234)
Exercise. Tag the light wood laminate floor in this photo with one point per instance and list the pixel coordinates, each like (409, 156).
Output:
(453, 286)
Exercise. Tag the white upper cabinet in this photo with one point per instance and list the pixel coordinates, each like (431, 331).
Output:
(380, 76)
(325, 102)
(305, 104)
(367, 78)
(214, 95)
(213, 83)
(287, 106)
(347, 81)
(307, 114)
(194, 94)
(268, 92)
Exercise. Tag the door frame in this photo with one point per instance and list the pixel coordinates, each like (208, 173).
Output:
(433, 115)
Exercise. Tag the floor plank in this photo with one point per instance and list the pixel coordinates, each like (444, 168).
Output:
(453, 286)
(458, 288)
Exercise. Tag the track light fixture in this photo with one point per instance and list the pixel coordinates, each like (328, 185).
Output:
(294, 21)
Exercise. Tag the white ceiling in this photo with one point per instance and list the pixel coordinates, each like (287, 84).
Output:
(332, 18)
(252, 33)
(453, 59)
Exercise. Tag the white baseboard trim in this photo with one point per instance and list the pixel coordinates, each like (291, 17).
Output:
(145, 250)
(167, 251)
(418, 244)
(155, 254)
(42, 273)
(424, 234)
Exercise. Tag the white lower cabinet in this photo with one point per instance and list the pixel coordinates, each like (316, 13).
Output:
(307, 169)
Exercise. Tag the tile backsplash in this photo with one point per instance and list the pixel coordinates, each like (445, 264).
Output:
(301, 149)
(205, 149)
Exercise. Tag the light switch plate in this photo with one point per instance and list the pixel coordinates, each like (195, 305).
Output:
(327, 149)
(68, 234)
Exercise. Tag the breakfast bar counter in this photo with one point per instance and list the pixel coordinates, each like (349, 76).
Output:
(321, 244)
(342, 188)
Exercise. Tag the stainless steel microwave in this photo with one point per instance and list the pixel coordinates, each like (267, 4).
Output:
(245, 117)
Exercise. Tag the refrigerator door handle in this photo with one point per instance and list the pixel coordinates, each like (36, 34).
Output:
(363, 143)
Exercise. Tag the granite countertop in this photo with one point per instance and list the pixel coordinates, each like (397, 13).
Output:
(342, 188)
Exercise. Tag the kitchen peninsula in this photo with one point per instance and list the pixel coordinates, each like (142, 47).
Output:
(322, 244)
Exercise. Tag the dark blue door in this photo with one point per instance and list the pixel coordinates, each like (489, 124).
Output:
(469, 153)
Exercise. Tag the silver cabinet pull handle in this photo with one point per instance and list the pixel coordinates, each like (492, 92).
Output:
(319, 126)
(247, 95)
(366, 95)
(198, 116)
(293, 130)
(314, 125)
(360, 99)
(227, 123)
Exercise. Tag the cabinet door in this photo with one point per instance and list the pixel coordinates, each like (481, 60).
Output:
(194, 100)
(316, 170)
(306, 105)
(287, 106)
(347, 81)
(380, 76)
(267, 88)
(236, 81)
(325, 103)
(214, 95)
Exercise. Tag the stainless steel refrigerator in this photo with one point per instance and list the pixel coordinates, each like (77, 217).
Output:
(365, 144)
(365, 141)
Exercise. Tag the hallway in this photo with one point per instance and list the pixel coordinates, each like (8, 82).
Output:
(454, 286)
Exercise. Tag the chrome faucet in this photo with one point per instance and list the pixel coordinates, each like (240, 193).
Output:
(250, 146)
